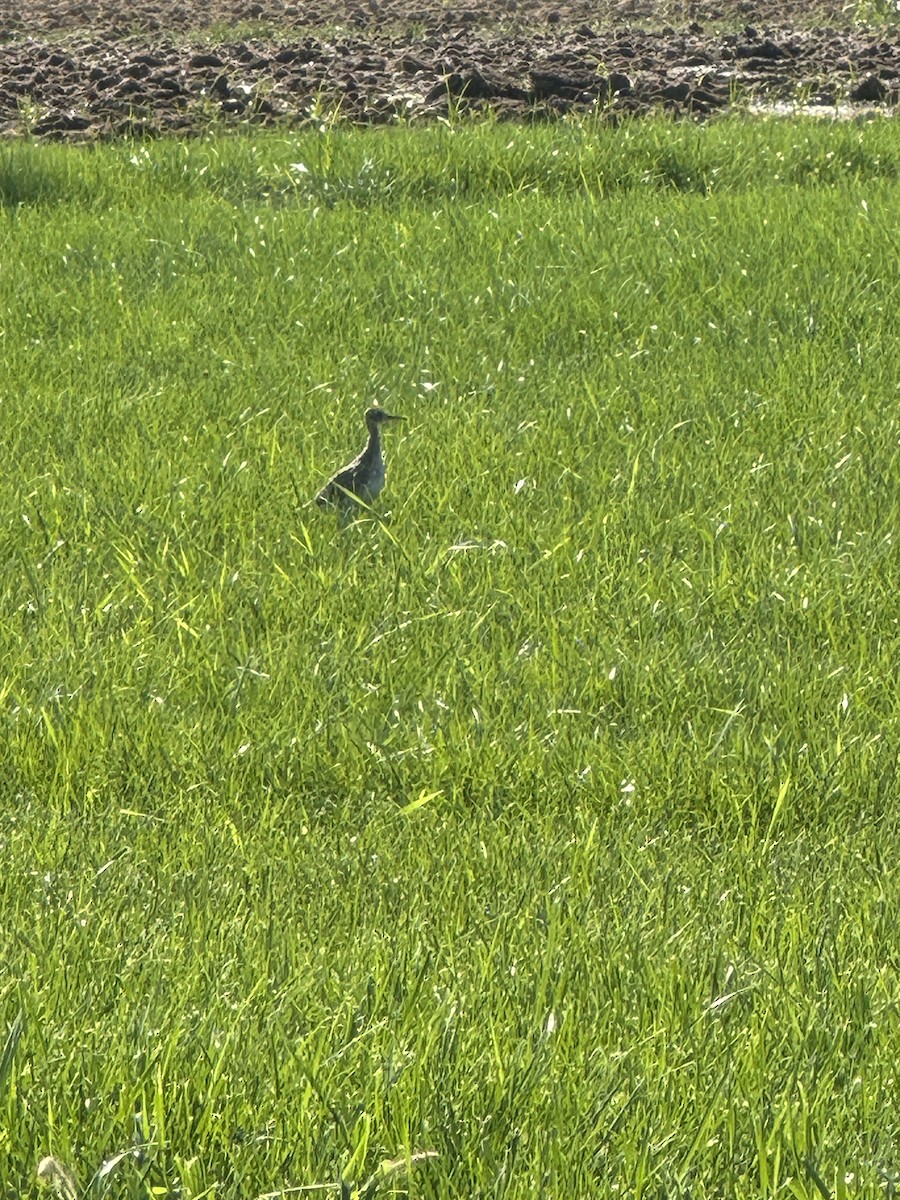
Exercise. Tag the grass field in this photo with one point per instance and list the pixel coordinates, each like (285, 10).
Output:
(548, 825)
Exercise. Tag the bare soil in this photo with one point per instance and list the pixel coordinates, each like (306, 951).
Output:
(78, 70)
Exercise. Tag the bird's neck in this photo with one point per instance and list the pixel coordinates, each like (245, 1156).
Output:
(373, 445)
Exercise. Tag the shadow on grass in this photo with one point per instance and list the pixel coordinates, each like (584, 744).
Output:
(28, 177)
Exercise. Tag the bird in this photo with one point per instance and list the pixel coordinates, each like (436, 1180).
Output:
(362, 479)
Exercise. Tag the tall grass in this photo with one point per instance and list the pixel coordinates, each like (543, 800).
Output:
(546, 824)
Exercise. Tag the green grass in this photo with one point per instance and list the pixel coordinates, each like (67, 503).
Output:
(548, 825)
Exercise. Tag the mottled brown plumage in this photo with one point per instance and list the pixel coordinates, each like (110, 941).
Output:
(362, 479)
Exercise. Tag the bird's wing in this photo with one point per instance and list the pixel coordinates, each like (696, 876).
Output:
(335, 490)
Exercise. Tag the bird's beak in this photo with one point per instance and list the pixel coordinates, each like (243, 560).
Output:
(393, 417)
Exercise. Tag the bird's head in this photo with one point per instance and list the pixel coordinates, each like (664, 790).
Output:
(376, 417)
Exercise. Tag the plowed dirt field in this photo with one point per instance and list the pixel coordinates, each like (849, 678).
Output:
(78, 71)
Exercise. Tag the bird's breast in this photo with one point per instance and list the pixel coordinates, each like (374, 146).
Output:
(374, 481)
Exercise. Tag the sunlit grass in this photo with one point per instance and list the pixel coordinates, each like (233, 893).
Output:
(549, 824)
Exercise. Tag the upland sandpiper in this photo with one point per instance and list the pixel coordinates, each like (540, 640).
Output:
(362, 479)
